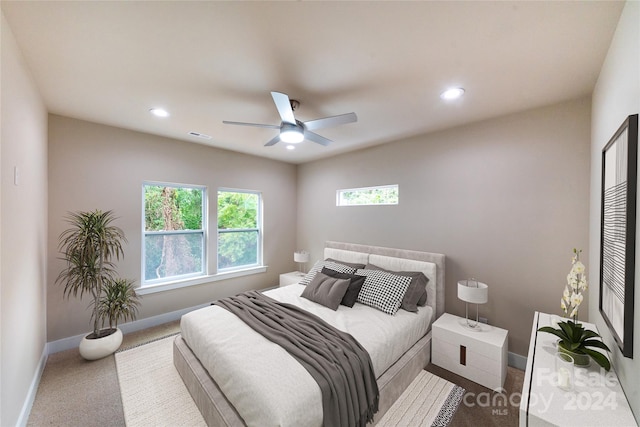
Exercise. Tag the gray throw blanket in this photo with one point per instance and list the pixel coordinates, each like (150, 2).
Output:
(336, 361)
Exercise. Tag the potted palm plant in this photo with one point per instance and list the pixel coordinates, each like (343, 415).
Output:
(89, 248)
(119, 301)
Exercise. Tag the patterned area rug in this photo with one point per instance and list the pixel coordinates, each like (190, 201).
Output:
(153, 393)
(428, 401)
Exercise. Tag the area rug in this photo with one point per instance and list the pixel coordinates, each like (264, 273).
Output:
(152, 391)
(428, 401)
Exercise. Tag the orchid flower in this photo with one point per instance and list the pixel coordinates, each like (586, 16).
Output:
(576, 283)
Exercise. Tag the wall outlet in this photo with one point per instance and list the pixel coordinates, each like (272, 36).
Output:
(483, 320)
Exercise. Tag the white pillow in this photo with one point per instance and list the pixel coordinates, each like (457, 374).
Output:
(382, 290)
(317, 267)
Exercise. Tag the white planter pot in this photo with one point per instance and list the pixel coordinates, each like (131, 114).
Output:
(101, 347)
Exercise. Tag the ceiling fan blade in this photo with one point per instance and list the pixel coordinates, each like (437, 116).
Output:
(331, 121)
(275, 140)
(258, 125)
(283, 104)
(312, 136)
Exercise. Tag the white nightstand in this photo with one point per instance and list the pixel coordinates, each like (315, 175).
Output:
(291, 278)
(479, 355)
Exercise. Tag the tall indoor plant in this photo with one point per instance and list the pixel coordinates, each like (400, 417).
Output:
(89, 248)
(118, 301)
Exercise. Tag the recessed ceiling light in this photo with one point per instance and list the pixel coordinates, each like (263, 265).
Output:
(291, 147)
(452, 93)
(159, 112)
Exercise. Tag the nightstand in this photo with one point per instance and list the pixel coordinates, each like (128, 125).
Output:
(291, 278)
(479, 355)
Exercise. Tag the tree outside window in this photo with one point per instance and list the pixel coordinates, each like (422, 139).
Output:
(174, 232)
(239, 223)
(381, 195)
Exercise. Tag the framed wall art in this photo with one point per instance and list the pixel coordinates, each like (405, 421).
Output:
(618, 233)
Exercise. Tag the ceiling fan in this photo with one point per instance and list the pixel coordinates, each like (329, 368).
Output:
(294, 131)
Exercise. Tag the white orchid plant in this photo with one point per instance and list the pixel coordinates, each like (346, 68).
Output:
(573, 336)
(576, 284)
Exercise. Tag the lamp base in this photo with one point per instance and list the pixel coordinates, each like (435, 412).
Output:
(475, 325)
(479, 327)
(468, 324)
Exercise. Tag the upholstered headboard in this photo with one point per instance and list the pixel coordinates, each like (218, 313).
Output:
(431, 264)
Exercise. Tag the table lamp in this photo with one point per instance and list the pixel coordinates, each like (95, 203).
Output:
(301, 257)
(474, 292)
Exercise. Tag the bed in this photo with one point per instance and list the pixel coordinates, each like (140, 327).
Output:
(266, 387)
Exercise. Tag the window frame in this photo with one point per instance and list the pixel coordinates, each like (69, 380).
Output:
(259, 229)
(163, 282)
(339, 192)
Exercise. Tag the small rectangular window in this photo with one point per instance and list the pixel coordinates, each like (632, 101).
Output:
(174, 244)
(239, 229)
(380, 195)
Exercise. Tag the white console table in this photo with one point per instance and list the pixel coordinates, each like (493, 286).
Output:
(597, 398)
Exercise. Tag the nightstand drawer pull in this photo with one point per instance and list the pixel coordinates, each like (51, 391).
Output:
(463, 355)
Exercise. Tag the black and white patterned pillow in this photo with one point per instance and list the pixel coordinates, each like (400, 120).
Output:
(341, 268)
(383, 290)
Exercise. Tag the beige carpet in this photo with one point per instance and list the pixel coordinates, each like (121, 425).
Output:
(152, 391)
(428, 401)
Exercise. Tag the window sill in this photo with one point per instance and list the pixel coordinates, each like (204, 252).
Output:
(152, 289)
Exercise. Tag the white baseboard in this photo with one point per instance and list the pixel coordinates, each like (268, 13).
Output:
(33, 389)
(517, 361)
(73, 342)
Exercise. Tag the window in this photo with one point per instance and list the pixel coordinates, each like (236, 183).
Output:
(239, 229)
(381, 195)
(174, 244)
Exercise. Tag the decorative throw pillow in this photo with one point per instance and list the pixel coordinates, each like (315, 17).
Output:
(350, 264)
(317, 267)
(355, 285)
(383, 290)
(326, 290)
(416, 294)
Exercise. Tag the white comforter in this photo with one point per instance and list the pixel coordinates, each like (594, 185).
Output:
(264, 383)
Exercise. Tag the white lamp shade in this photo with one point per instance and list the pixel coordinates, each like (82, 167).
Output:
(473, 292)
(301, 256)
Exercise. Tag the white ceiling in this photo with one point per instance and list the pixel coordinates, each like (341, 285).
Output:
(205, 62)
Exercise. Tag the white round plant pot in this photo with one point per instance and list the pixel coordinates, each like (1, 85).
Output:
(93, 349)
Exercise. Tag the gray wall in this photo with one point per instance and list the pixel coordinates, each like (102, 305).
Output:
(94, 166)
(23, 229)
(616, 95)
(505, 199)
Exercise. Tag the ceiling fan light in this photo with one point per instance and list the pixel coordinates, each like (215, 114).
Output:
(291, 136)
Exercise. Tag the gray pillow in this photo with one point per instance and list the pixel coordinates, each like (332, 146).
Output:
(317, 267)
(326, 290)
(355, 284)
(416, 293)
